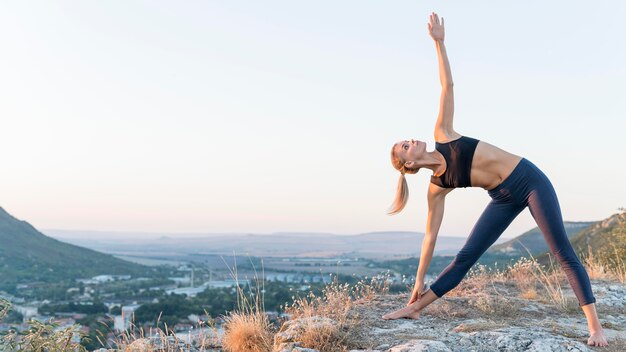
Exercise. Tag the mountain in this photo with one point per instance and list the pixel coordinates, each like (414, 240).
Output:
(534, 241)
(26, 255)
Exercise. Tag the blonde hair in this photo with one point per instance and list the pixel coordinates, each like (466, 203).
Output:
(402, 191)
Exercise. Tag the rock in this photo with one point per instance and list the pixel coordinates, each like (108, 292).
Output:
(157, 343)
(284, 347)
(532, 340)
(421, 346)
(289, 335)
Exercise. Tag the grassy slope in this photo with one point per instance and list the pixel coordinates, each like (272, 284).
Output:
(605, 238)
(27, 255)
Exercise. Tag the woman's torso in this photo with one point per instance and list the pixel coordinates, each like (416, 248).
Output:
(490, 165)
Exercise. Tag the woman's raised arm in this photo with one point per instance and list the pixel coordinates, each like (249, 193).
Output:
(444, 129)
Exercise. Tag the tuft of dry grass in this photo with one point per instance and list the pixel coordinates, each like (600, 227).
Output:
(495, 305)
(521, 273)
(40, 336)
(605, 265)
(479, 287)
(248, 329)
(365, 290)
(334, 303)
(329, 324)
(530, 294)
(443, 309)
(324, 337)
(474, 283)
(550, 280)
(596, 268)
(247, 332)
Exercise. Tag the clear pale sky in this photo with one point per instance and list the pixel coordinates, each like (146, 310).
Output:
(264, 116)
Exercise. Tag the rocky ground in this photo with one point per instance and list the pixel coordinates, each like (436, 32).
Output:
(494, 318)
(498, 321)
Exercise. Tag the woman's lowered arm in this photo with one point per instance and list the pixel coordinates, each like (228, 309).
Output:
(436, 205)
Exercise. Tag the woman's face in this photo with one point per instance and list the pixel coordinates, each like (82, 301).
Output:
(410, 150)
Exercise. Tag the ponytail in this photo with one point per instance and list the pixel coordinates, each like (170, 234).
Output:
(402, 196)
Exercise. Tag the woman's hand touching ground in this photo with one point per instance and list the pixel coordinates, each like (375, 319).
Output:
(418, 289)
(435, 28)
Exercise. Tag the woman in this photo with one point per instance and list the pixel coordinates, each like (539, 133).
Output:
(513, 183)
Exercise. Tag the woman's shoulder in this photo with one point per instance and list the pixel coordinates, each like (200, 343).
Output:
(443, 137)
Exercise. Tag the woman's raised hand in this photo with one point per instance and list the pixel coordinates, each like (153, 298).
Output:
(435, 27)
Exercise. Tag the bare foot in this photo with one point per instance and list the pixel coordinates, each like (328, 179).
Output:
(407, 312)
(597, 339)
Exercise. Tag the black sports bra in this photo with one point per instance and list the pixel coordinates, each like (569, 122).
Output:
(458, 154)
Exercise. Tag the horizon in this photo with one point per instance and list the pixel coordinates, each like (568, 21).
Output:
(55, 233)
(246, 117)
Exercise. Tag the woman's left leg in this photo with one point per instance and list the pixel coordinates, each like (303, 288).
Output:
(545, 209)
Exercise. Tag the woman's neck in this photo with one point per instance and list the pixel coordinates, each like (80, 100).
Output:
(435, 162)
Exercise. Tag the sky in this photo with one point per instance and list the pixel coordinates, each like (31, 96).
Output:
(278, 116)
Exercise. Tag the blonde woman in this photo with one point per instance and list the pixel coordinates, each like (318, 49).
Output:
(512, 182)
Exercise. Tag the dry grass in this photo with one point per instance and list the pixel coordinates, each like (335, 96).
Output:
(329, 325)
(610, 263)
(444, 309)
(609, 266)
(551, 280)
(528, 276)
(596, 268)
(39, 336)
(530, 294)
(334, 303)
(324, 337)
(495, 305)
(366, 290)
(247, 332)
(248, 329)
(156, 339)
(5, 306)
(479, 287)
(475, 283)
(521, 274)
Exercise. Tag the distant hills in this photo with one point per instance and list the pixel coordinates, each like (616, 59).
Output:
(534, 240)
(392, 244)
(26, 255)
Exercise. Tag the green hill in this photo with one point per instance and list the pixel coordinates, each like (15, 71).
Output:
(26, 255)
(534, 241)
(606, 239)
(603, 236)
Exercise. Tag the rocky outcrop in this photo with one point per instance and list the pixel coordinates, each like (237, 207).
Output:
(452, 324)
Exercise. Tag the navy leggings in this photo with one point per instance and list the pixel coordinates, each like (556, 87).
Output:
(525, 187)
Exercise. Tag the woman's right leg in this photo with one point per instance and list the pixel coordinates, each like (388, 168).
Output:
(494, 220)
